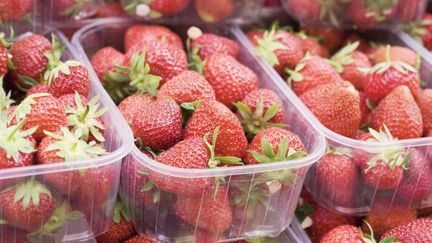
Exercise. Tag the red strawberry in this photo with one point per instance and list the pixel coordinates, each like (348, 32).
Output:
(138, 34)
(12, 11)
(10, 234)
(400, 113)
(209, 44)
(344, 234)
(166, 7)
(68, 78)
(104, 60)
(395, 54)
(207, 117)
(348, 63)
(28, 205)
(188, 86)
(231, 80)
(282, 142)
(336, 105)
(365, 110)
(159, 127)
(332, 38)
(305, 10)
(260, 109)
(424, 101)
(367, 14)
(140, 239)
(255, 34)
(210, 211)
(213, 11)
(419, 230)
(110, 9)
(38, 88)
(132, 105)
(4, 56)
(43, 111)
(310, 72)
(69, 100)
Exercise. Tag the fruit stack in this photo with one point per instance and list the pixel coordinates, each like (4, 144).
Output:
(220, 151)
(59, 174)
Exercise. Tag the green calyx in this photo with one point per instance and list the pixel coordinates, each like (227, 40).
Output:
(53, 56)
(254, 122)
(85, 117)
(14, 141)
(76, 8)
(25, 106)
(119, 211)
(150, 186)
(141, 8)
(328, 9)
(71, 147)
(303, 212)
(295, 75)
(367, 238)
(342, 151)
(194, 60)
(267, 45)
(5, 99)
(214, 160)
(28, 192)
(344, 57)
(7, 43)
(284, 153)
(62, 68)
(379, 10)
(417, 29)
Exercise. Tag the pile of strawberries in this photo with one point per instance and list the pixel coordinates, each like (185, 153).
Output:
(51, 121)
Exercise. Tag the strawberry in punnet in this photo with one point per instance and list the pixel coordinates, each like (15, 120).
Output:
(155, 8)
(260, 109)
(27, 205)
(231, 140)
(68, 78)
(419, 230)
(384, 77)
(132, 105)
(65, 146)
(72, 8)
(365, 109)
(348, 62)
(140, 239)
(110, 9)
(367, 14)
(279, 48)
(230, 79)
(139, 34)
(332, 38)
(212, 212)
(273, 145)
(120, 229)
(346, 233)
(336, 105)
(209, 44)
(337, 176)
(395, 54)
(11, 234)
(305, 10)
(312, 46)
(310, 72)
(38, 88)
(42, 111)
(424, 102)
(13, 11)
(213, 11)
(160, 126)
(188, 86)
(105, 60)
(422, 30)
(400, 113)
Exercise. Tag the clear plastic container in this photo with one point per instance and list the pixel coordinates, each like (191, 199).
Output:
(93, 208)
(295, 233)
(351, 14)
(365, 196)
(197, 12)
(158, 219)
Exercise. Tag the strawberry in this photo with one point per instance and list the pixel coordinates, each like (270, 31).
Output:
(69, 100)
(308, 11)
(38, 88)
(337, 176)
(104, 60)
(5, 58)
(255, 34)
(260, 109)
(384, 77)
(131, 106)
(160, 126)
(213, 11)
(27, 205)
(367, 14)
(68, 78)
(108, 9)
(365, 110)
(11, 234)
(417, 182)
(140, 239)
(418, 230)
(158, 8)
(209, 44)
(42, 111)
(188, 86)
(210, 211)
(332, 38)
(12, 11)
(74, 8)
(139, 34)
(312, 46)
(395, 54)
(343, 234)
(310, 72)
(273, 145)
(230, 79)
(400, 113)
(424, 102)
(207, 117)
(348, 62)
(336, 105)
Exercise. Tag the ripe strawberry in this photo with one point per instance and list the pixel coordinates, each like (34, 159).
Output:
(188, 86)
(400, 113)
(284, 145)
(207, 117)
(344, 234)
(28, 205)
(68, 78)
(332, 38)
(43, 111)
(110, 9)
(104, 60)
(140, 239)
(132, 105)
(337, 176)
(213, 11)
(308, 11)
(312, 46)
(260, 109)
(166, 7)
(348, 62)
(12, 11)
(210, 211)
(70, 101)
(365, 110)
(11, 234)
(310, 72)
(255, 34)
(367, 14)
(209, 44)
(336, 105)
(418, 230)
(5, 58)
(396, 53)
(159, 127)
(424, 101)
(38, 88)
(139, 34)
